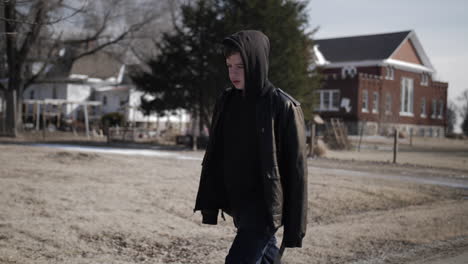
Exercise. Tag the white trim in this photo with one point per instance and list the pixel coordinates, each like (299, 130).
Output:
(366, 109)
(121, 73)
(424, 79)
(407, 88)
(441, 109)
(422, 54)
(423, 113)
(408, 66)
(375, 103)
(398, 64)
(419, 50)
(327, 108)
(319, 56)
(389, 73)
(406, 114)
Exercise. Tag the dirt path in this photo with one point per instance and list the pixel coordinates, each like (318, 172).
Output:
(460, 257)
(72, 206)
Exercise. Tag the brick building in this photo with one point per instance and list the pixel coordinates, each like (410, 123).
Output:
(378, 82)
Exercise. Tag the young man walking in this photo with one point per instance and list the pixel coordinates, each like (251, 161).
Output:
(255, 166)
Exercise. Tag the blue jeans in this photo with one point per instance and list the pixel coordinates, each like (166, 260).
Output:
(255, 242)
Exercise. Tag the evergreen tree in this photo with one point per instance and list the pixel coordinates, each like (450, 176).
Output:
(451, 117)
(190, 70)
(463, 99)
(186, 73)
(464, 125)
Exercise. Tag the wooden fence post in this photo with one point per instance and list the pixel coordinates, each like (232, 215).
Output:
(395, 145)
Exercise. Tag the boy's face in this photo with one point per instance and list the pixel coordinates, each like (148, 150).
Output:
(235, 67)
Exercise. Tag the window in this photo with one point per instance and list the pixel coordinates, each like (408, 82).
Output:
(434, 109)
(365, 99)
(375, 103)
(31, 95)
(390, 73)
(104, 100)
(406, 103)
(54, 92)
(441, 109)
(422, 132)
(329, 100)
(388, 103)
(335, 99)
(423, 107)
(424, 79)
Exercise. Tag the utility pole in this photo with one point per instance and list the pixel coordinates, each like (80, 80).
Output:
(395, 145)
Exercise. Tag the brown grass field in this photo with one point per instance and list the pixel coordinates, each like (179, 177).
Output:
(67, 206)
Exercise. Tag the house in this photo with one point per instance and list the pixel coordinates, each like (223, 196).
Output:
(97, 78)
(376, 83)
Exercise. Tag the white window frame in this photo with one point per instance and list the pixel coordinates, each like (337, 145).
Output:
(423, 107)
(375, 102)
(434, 109)
(424, 79)
(441, 109)
(390, 73)
(407, 97)
(365, 101)
(388, 104)
(329, 95)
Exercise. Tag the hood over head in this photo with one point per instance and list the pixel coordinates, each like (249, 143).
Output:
(254, 47)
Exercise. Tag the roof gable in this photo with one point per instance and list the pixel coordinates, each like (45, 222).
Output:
(400, 49)
(359, 48)
(407, 52)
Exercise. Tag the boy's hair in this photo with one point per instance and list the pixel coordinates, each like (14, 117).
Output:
(229, 49)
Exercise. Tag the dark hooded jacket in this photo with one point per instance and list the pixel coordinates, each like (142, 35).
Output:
(281, 139)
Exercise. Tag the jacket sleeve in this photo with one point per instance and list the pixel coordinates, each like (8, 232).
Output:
(295, 178)
(207, 188)
(210, 217)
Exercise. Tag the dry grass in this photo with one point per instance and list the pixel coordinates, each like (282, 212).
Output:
(432, 152)
(74, 207)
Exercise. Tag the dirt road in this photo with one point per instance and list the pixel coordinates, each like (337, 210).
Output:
(78, 206)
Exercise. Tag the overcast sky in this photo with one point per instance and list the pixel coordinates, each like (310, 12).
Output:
(440, 25)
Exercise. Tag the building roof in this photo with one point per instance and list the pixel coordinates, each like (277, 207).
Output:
(359, 48)
(400, 49)
(99, 65)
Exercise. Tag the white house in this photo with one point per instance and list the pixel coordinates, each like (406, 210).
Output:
(100, 78)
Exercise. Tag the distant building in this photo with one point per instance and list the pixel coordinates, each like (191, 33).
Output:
(97, 77)
(379, 82)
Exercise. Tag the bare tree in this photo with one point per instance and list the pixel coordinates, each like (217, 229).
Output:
(451, 118)
(36, 31)
(463, 110)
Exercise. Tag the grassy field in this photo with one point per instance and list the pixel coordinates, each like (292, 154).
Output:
(60, 206)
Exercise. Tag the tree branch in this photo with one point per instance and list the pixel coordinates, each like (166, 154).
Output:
(44, 66)
(95, 36)
(33, 33)
(75, 12)
(16, 21)
(131, 29)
